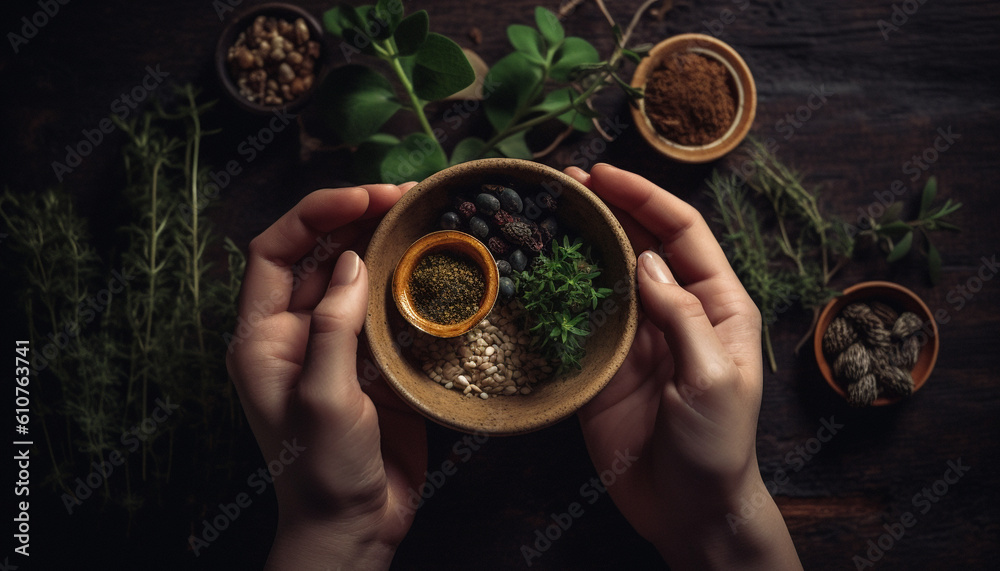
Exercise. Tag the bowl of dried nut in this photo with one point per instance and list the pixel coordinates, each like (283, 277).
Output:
(271, 57)
(531, 358)
(876, 344)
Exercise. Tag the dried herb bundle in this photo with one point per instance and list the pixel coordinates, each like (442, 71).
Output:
(138, 373)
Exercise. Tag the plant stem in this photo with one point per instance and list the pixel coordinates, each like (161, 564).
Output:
(392, 57)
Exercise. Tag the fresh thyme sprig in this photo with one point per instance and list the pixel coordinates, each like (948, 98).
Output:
(558, 293)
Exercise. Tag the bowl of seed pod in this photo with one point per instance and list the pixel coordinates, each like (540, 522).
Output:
(271, 57)
(876, 344)
(565, 310)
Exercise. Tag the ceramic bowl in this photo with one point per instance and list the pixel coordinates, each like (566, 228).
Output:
(453, 242)
(742, 82)
(390, 337)
(900, 299)
(241, 23)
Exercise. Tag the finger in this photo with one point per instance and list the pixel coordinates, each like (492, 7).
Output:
(639, 238)
(329, 378)
(267, 287)
(312, 272)
(688, 242)
(701, 361)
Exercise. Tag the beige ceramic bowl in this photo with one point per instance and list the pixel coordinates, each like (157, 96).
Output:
(900, 299)
(746, 104)
(390, 337)
(456, 243)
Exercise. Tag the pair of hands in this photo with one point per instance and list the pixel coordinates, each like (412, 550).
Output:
(685, 401)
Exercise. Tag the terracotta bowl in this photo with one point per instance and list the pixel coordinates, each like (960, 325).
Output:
(742, 81)
(445, 241)
(390, 337)
(240, 23)
(900, 299)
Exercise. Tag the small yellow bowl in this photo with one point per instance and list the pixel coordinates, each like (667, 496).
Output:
(445, 241)
(746, 103)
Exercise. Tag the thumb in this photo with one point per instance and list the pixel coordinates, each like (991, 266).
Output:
(330, 372)
(701, 363)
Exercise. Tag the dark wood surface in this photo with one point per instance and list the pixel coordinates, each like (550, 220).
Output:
(887, 101)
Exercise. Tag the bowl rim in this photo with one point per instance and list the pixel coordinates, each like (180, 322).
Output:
(445, 240)
(867, 291)
(377, 324)
(746, 109)
(239, 23)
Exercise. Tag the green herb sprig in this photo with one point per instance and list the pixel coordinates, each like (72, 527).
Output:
(896, 236)
(558, 293)
(156, 341)
(548, 77)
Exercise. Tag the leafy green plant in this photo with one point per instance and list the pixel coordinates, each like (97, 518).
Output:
(558, 293)
(896, 236)
(786, 249)
(547, 77)
(157, 340)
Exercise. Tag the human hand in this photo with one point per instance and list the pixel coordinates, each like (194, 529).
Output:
(349, 455)
(686, 399)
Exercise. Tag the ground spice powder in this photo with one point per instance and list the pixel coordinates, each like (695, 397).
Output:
(690, 99)
(446, 288)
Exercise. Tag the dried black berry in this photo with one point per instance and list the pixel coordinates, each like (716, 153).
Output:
(450, 221)
(510, 201)
(506, 287)
(501, 218)
(487, 203)
(467, 209)
(498, 246)
(518, 261)
(546, 201)
(503, 266)
(478, 228)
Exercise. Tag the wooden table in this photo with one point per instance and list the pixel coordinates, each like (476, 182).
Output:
(889, 95)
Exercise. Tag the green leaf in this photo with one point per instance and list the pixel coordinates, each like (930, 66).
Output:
(934, 263)
(411, 33)
(391, 12)
(894, 229)
(892, 213)
(548, 24)
(356, 101)
(573, 52)
(367, 159)
(515, 79)
(927, 197)
(373, 25)
(416, 158)
(340, 18)
(441, 68)
(469, 149)
(515, 147)
(560, 98)
(631, 55)
(901, 249)
(528, 41)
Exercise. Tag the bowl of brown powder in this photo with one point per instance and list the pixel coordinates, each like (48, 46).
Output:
(699, 98)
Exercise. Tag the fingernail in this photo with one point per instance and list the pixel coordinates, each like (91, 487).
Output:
(576, 172)
(656, 268)
(347, 270)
